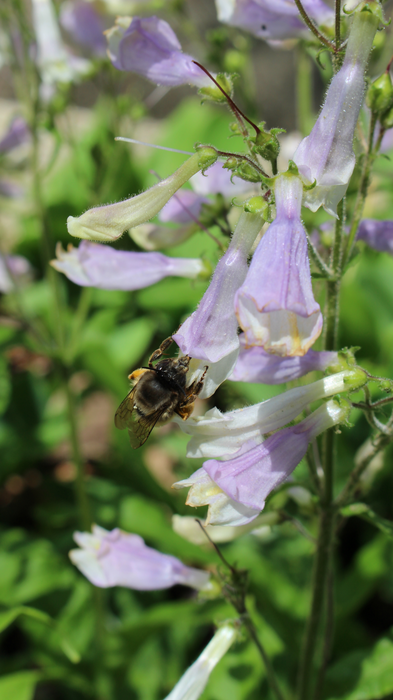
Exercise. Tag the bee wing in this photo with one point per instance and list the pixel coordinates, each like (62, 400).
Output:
(140, 427)
(123, 415)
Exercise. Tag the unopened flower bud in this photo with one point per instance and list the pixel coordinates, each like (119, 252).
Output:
(267, 144)
(386, 119)
(257, 205)
(380, 94)
(247, 172)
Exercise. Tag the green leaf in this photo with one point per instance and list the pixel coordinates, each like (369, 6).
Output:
(19, 686)
(363, 675)
(8, 616)
(364, 511)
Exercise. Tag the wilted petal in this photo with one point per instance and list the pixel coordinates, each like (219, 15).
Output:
(117, 558)
(193, 682)
(377, 234)
(255, 365)
(149, 47)
(84, 24)
(326, 155)
(275, 306)
(95, 265)
(109, 222)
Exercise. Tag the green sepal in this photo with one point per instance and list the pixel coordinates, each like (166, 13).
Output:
(214, 94)
(266, 143)
(207, 155)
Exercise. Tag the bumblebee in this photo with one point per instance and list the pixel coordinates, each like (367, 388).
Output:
(158, 393)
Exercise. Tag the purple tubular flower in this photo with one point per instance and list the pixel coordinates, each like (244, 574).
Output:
(82, 21)
(236, 489)
(326, 155)
(255, 365)
(149, 47)
(275, 306)
(377, 234)
(272, 19)
(117, 558)
(96, 265)
(184, 207)
(17, 134)
(210, 333)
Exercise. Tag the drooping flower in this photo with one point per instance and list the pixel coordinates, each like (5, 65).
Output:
(255, 365)
(272, 19)
(118, 558)
(192, 684)
(148, 46)
(84, 24)
(377, 234)
(96, 265)
(210, 333)
(56, 63)
(326, 156)
(275, 306)
(236, 489)
(217, 434)
(106, 223)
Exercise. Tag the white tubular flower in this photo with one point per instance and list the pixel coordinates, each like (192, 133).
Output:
(235, 489)
(56, 63)
(194, 681)
(109, 222)
(216, 434)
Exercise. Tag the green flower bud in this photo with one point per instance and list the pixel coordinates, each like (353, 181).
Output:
(386, 119)
(257, 205)
(247, 172)
(267, 144)
(380, 94)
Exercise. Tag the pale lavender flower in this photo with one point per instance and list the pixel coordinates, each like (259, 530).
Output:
(153, 237)
(55, 61)
(184, 207)
(17, 134)
(117, 558)
(13, 267)
(377, 234)
(109, 222)
(217, 434)
(272, 19)
(84, 24)
(275, 306)
(149, 47)
(219, 180)
(255, 365)
(210, 333)
(236, 489)
(326, 156)
(192, 684)
(96, 265)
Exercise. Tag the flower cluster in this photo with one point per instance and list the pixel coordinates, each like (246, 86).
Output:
(261, 285)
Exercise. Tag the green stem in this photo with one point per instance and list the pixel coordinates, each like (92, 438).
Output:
(304, 102)
(362, 192)
(337, 9)
(310, 24)
(324, 549)
(81, 496)
(268, 666)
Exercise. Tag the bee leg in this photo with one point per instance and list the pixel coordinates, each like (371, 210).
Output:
(185, 410)
(196, 387)
(157, 353)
